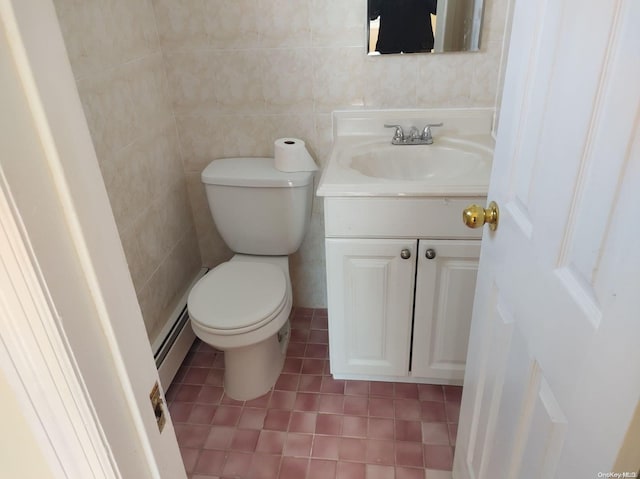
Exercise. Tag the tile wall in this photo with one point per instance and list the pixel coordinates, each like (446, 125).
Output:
(118, 64)
(233, 77)
(247, 72)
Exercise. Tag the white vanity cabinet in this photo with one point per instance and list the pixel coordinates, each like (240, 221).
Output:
(399, 307)
(371, 290)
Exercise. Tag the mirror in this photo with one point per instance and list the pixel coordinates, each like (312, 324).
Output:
(424, 26)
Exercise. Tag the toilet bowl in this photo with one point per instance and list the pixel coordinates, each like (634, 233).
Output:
(239, 307)
(242, 307)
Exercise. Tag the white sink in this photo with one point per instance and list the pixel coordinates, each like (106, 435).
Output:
(445, 160)
(363, 162)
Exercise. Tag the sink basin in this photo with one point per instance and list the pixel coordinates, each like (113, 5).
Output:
(364, 163)
(445, 160)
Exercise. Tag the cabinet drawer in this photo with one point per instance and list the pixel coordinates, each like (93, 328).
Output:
(396, 217)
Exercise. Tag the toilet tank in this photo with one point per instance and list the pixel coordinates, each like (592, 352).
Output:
(257, 208)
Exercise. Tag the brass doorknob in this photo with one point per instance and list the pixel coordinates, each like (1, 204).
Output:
(474, 216)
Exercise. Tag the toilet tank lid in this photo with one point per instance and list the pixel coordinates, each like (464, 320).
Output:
(252, 172)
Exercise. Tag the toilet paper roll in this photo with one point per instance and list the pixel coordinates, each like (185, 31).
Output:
(291, 155)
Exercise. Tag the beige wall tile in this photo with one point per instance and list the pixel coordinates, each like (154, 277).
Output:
(238, 75)
(284, 23)
(338, 23)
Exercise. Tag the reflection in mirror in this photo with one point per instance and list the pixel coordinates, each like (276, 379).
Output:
(427, 26)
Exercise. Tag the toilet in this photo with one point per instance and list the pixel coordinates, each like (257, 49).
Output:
(242, 307)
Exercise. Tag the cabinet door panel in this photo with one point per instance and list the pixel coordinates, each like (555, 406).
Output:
(444, 303)
(370, 295)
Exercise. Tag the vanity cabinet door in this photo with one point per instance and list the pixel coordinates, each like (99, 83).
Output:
(445, 286)
(370, 295)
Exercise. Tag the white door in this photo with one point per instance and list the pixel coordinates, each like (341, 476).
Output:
(553, 371)
(370, 297)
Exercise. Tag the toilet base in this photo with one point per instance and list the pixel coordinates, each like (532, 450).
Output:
(252, 371)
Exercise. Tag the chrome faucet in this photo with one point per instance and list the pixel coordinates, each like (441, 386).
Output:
(426, 136)
(414, 137)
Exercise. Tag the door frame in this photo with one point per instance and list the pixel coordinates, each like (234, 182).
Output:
(92, 410)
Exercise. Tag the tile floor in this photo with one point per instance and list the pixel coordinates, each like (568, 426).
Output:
(311, 426)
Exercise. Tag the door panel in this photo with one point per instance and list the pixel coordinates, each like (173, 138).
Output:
(555, 399)
(443, 305)
(371, 304)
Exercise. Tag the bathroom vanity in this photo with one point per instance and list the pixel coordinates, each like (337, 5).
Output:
(401, 265)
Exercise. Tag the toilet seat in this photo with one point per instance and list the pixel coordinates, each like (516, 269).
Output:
(237, 297)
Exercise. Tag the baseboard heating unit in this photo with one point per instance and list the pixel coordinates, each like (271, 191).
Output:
(175, 339)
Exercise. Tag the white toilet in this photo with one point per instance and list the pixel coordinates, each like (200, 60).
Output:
(242, 306)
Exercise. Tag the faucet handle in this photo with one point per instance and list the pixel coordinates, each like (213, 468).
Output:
(426, 132)
(399, 134)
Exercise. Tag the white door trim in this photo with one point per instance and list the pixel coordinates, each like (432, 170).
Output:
(36, 358)
(51, 171)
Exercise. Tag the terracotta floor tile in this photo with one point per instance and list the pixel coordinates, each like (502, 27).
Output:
(271, 442)
(252, 418)
(380, 472)
(303, 422)
(189, 458)
(325, 447)
(191, 436)
(196, 375)
(435, 433)
(380, 452)
(409, 454)
(409, 472)
(310, 426)
(382, 389)
(430, 392)
(201, 414)
(321, 469)
(298, 445)
(406, 391)
(294, 468)
(381, 407)
(210, 462)
(180, 411)
(432, 411)
(408, 431)
(355, 426)
(438, 457)
(351, 470)
(237, 464)
(331, 403)
(329, 424)
(332, 386)
(210, 394)
(453, 411)
(277, 420)
(356, 388)
(310, 384)
(352, 449)
(307, 402)
(312, 366)
(264, 466)
(245, 440)
(381, 428)
(282, 400)
(219, 437)
(356, 406)
(453, 393)
(226, 416)
(408, 409)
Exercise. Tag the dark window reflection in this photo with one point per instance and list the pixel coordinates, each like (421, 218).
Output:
(405, 25)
